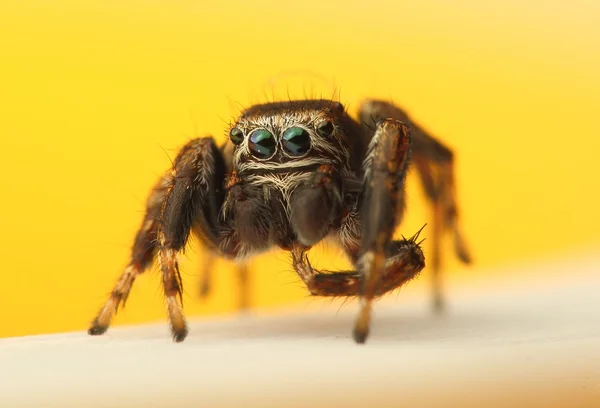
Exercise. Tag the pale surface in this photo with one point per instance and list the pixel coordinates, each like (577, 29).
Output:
(525, 342)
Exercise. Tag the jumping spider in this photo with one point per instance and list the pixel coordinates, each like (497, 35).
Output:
(291, 174)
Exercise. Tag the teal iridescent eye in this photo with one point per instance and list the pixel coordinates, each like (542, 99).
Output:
(262, 143)
(296, 141)
(236, 135)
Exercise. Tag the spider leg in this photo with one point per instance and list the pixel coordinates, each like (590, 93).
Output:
(206, 268)
(242, 275)
(435, 165)
(142, 255)
(439, 186)
(190, 197)
(404, 260)
(382, 206)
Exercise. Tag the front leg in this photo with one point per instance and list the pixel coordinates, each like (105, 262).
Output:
(435, 164)
(404, 260)
(190, 196)
(382, 207)
(366, 229)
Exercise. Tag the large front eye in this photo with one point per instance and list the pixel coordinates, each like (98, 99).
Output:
(262, 143)
(296, 141)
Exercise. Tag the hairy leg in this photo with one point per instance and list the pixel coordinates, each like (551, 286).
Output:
(242, 275)
(206, 268)
(439, 185)
(403, 261)
(366, 228)
(435, 165)
(142, 255)
(187, 197)
(381, 209)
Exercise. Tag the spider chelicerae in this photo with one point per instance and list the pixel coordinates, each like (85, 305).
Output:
(290, 175)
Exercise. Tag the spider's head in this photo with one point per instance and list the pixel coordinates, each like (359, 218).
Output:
(288, 136)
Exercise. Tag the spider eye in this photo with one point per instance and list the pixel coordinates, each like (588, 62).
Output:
(325, 128)
(296, 141)
(262, 143)
(236, 135)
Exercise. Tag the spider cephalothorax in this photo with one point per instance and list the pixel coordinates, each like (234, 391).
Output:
(292, 174)
(279, 151)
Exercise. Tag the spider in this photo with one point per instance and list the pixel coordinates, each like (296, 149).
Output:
(290, 175)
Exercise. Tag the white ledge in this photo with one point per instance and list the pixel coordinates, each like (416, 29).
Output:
(517, 342)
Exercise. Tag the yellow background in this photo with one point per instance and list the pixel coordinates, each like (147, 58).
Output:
(96, 95)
